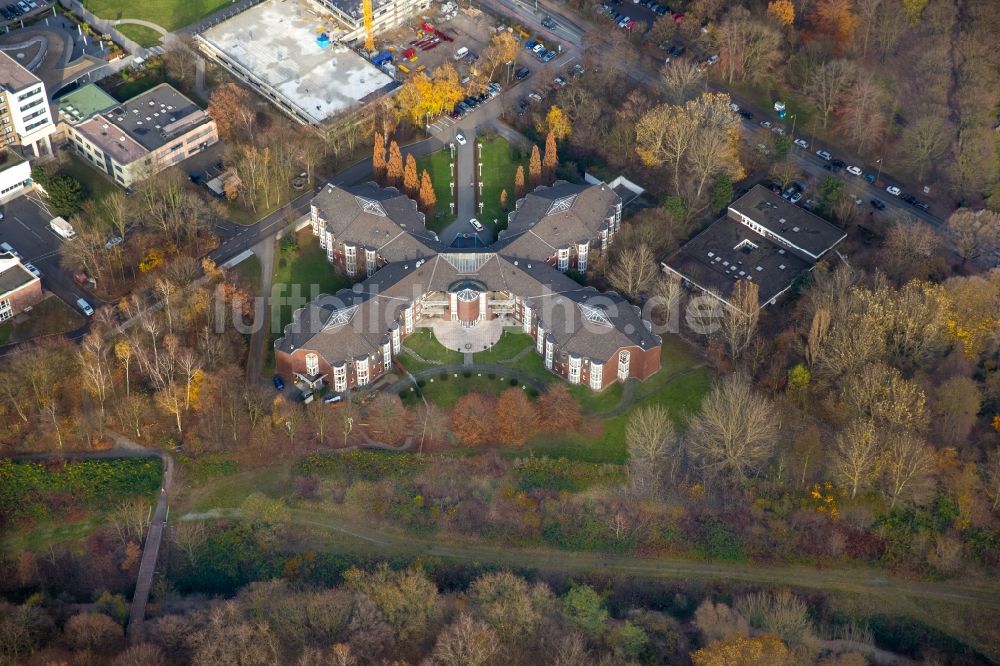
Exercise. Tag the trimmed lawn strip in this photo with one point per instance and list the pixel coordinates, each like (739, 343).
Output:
(446, 392)
(140, 34)
(168, 14)
(438, 165)
(248, 271)
(500, 162)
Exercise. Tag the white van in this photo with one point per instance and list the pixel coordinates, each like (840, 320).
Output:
(63, 228)
(461, 53)
(84, 307)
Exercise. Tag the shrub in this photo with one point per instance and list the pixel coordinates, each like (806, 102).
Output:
(361, 465)
(780, 613)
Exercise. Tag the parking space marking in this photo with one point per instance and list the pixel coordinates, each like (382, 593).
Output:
(32, 231)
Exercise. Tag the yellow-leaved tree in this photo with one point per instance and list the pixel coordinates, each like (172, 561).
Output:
(783, 11)
(557, 122)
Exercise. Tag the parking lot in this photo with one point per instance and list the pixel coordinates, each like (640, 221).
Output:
(25, 226)
(424, 46)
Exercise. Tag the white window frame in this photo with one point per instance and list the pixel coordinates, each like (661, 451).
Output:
(387, 355)
(596, 376)
(371, 263)
(312, 364)
(575, 363)
(350, 259)
(361, 374)
(624, 362)
(563, 263)
(340, 378)
(526, 318)
(549, 353)
(540, 339)
(395, 340)
(582, 249)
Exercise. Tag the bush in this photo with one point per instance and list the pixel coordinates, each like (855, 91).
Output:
(512, 382)
(361, 465)
(443, 376)
(66, 194)
(492, 375)
(466, 374)
(562, 474)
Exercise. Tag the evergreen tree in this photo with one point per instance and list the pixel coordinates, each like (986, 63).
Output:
(503, 199)
(519, 191)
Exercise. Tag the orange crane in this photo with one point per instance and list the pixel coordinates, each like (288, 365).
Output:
(366, 7)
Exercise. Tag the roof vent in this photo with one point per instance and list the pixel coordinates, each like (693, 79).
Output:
(781, 220)
(795, 228)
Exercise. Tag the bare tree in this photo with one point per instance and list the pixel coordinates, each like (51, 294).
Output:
(735, 431)
(681, 78)
(633, 270)
(738, 324)
(974, 233)
(652, 448)
(908, 464)
(465, 642)
(909, 247)
(748, 47)
(856, 455)
(827, 85)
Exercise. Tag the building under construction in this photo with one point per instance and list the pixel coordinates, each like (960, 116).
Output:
(298, 53)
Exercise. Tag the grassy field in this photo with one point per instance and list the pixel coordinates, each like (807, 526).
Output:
(438, 165)
(423, 342)
(249, 272)
(49, 317)
(140, 34)
(97, 183)
(168, 14)
(445, 391)
(500, 162)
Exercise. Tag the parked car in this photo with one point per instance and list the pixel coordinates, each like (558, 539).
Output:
(893, 190)
(530, 44)
(279, 383)
(522, 74)
(711, 60)
(334, 399)
(870, 177)
(476, 224)
(746, 115)
(559, 82)
(460, 138)
(548, 23)
(84, 307)
(922, 205)
(796, 197)
(824, 155)
(837, 164)
(780, 131)
(549, 55)
(7, 248)
(113, 241)
(877, 204)
(33, 270)
(765, 124)
(854, 171)
(677, 51)
(538, 48)
(802, 143)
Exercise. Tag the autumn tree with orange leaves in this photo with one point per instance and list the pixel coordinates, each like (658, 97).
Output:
(378, 157)
(535, 167)
(473, 418)
(519, 190)
(394, 168)
(560, 409)
(551, 159)
(516, 418)
(426, 196)
(837, 19)
(411, 179)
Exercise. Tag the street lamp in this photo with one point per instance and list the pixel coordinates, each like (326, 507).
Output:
(793, 125)
(879, 174)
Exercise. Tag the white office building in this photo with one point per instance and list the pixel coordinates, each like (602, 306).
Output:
(25, 117)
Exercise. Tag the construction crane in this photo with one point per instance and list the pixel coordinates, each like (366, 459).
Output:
(366, 7)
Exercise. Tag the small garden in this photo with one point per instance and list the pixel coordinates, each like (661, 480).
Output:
(438, 165)
(140, 34)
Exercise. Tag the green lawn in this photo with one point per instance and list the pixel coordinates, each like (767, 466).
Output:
(423, 342)
(140, 34)
(96, 182)
(512, 341)
(500, 162)
(446, 392)
(438, 164)
(49, 317)
(168, 14)
(248, 271)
